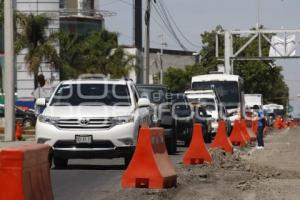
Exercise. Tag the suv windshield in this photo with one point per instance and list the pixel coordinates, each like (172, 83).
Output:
(154, 94)
(91, 95)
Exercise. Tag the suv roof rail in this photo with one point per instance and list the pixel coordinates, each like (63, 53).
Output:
(92, 77)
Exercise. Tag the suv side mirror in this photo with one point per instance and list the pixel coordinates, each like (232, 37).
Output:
(143, 102)
(41, 102)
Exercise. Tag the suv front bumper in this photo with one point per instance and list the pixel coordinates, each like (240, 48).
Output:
(118, 141)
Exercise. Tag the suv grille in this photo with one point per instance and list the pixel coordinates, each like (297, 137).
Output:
(85, 123)
(72, 144)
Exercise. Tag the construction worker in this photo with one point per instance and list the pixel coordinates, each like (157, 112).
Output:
(261, 126)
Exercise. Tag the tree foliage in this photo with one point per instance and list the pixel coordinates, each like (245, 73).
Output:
(259, 76)
(98, 53)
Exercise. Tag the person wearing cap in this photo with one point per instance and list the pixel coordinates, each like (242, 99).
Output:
(261, 126)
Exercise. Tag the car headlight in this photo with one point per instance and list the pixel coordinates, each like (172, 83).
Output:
(122, 120)
(48, 119)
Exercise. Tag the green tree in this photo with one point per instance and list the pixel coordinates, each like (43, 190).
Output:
(39, 45)
(178, 80)
(98, 53)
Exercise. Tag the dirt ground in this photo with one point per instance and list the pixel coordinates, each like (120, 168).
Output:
(248, 174)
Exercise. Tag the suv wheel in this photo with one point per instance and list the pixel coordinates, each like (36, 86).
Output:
(60, 163)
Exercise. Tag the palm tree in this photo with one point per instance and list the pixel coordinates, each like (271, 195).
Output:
(39, 45)
(99, 52)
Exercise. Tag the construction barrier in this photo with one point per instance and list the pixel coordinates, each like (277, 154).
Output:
(197, 152)
(150, 166)
(236, 137)
(25, 173)
(221, 140)
(244, 131)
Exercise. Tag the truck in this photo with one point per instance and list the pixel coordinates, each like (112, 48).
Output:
(253, 99)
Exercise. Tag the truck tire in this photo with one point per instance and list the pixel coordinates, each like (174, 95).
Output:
(60, 163)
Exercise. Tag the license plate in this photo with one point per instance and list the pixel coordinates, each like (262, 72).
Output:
(83, 139)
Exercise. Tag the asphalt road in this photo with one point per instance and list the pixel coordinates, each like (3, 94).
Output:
(92, 179)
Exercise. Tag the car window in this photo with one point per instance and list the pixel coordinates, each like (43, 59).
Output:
(154, 94)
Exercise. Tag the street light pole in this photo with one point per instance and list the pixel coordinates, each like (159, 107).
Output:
(9, 82)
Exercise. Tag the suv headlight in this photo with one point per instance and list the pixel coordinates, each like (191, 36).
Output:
(122, 120)
(48, 119)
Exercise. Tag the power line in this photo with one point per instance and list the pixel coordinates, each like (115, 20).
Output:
(155, 20)
(179, 30)
(164, 17)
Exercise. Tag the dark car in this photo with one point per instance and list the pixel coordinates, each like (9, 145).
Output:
(25, 116)
(183, 118)
(161, 112)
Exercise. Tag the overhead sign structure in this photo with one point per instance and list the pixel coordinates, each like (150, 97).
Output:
(283, 46)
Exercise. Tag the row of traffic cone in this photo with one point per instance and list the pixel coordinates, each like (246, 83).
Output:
(197, 152)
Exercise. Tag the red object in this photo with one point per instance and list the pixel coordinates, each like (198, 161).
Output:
(278, 123)
(236, 136)
(221, 140)
(25, 173)
(255, 126)
(244, 130)
(197, 152)
(19, 131)
(150, 166)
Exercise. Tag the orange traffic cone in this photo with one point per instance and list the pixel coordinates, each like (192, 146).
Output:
(150, 166)
(221, 140)
(244, 130)
(251, 136)
(236, 136)
(19, 131)
(197, 152)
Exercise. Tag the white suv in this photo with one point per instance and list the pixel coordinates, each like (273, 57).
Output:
(92, 119)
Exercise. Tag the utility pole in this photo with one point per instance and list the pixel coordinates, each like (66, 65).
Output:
(138, 37)
(147, 42)
(163, 44)
(9, 83)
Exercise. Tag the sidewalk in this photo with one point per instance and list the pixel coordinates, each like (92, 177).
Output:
(28, 139)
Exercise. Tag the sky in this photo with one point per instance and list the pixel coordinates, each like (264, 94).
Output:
(193, 17)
